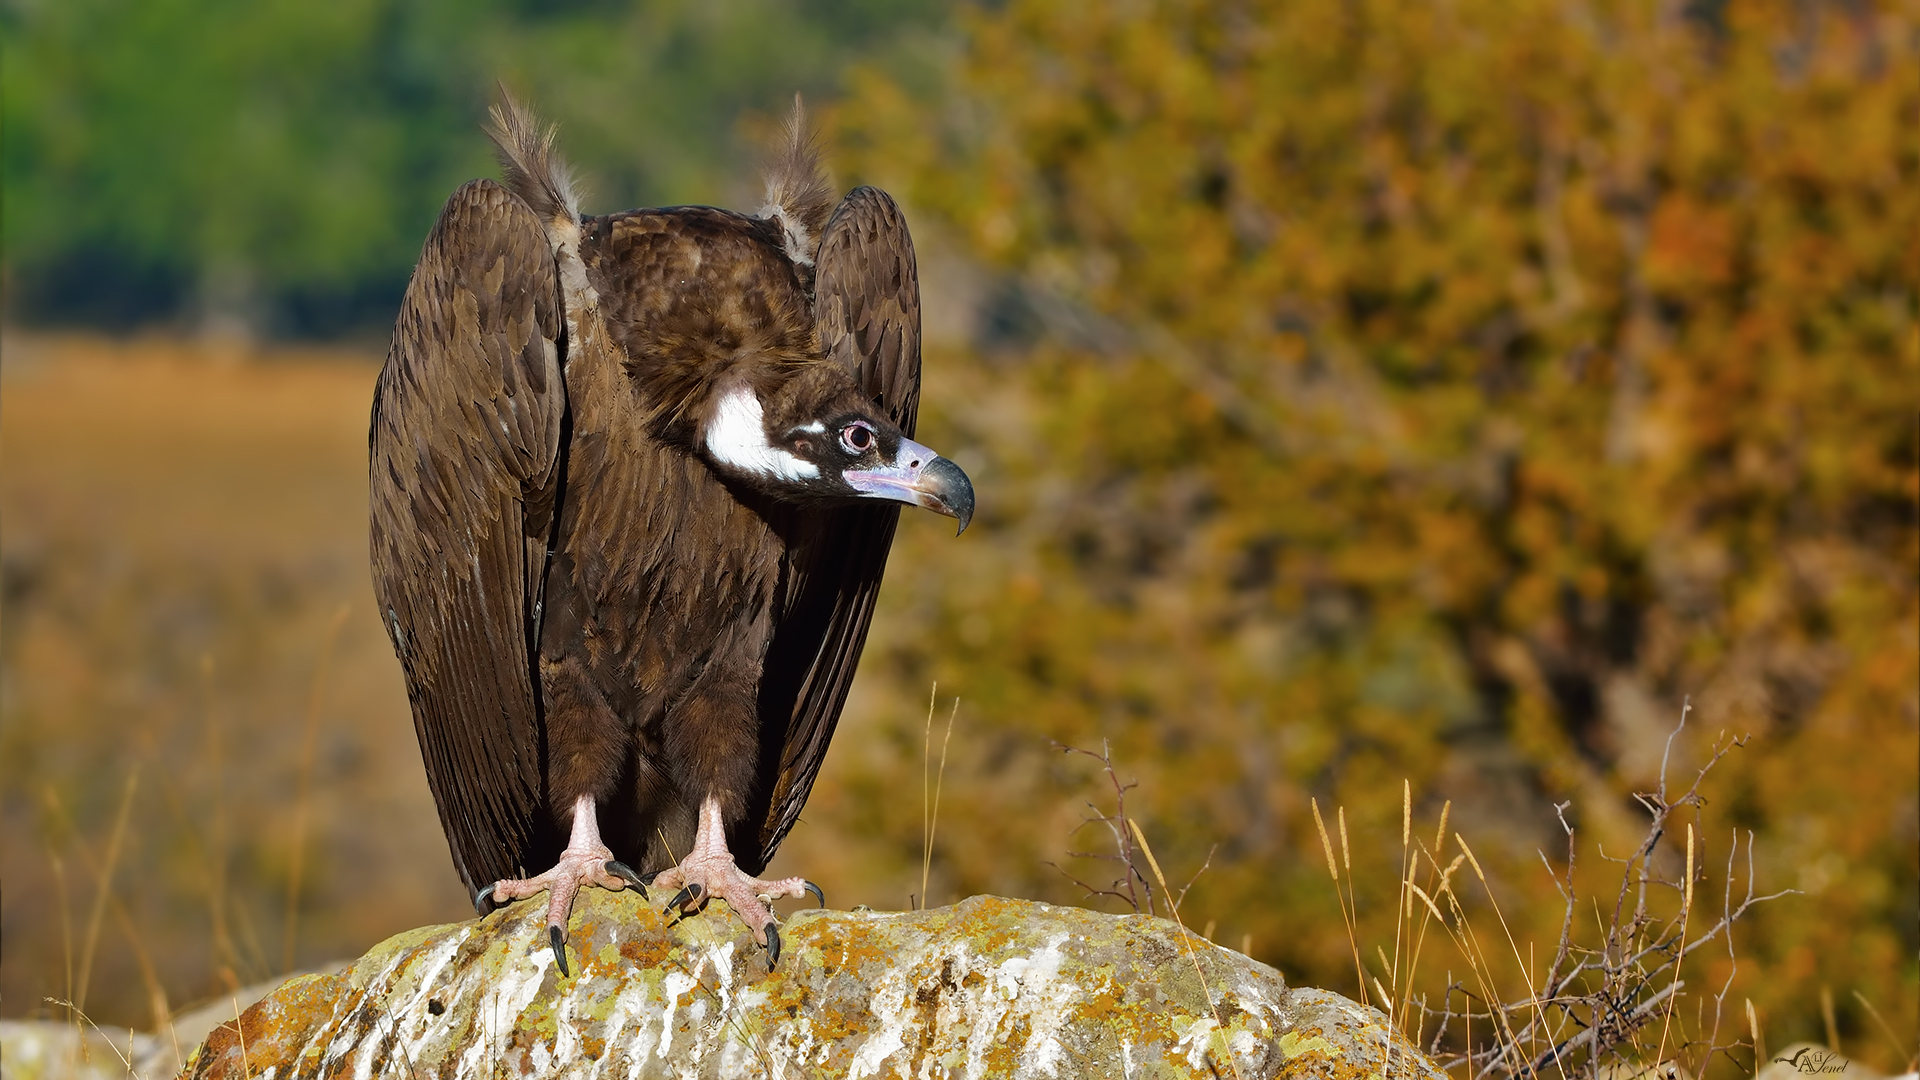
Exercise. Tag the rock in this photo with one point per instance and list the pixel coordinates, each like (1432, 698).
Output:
(36, 1049)
(988, 987)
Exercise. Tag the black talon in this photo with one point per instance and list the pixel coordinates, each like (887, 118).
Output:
(483, 900)
(685, 896)
(626, 873)
(815, 890)
(559, 942)
(773, 945)
(647, 879)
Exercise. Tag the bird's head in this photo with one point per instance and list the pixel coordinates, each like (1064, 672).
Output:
(815, 437)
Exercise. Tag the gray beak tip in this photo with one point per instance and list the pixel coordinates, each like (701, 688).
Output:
(947, 483)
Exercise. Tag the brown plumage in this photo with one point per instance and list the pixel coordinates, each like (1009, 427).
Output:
(624, 533)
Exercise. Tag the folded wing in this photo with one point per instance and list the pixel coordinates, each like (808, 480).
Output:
(867, 310)
(466, 448)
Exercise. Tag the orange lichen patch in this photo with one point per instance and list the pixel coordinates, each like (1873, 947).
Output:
(1003, 1055)
(272, 1032)
(990, 922)
(1331, 1067)
(592, 1046)
(844, 944)
(646, 950)
(1108, 1008)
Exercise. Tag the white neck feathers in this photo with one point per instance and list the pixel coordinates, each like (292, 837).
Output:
(737, 438)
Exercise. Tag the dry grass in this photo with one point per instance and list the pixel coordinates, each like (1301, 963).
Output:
(1610, 997)
(931, 786)
(1610, 1000)
(188, 720)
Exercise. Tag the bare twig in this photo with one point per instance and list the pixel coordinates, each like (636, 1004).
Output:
(1122, 888)
(1629, 1021)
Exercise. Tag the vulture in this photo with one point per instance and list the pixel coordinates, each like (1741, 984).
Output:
(634, 480)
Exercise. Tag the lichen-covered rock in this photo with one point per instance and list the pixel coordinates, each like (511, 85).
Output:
(988, 987)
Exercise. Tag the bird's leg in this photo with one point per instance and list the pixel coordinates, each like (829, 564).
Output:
(586, 861)
(709, 871)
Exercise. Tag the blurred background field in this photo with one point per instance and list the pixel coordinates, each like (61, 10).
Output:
(1356, 393)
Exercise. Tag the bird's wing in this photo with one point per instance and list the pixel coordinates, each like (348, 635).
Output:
(465, 445)
(867, 308)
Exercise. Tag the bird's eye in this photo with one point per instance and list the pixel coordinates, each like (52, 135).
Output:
(857, 437)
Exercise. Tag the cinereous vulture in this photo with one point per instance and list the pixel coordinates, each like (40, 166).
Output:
(634, 480)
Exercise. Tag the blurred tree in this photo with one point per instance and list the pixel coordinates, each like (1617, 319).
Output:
(274, 166)
(1430, 391)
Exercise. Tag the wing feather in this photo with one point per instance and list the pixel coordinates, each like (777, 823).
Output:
(466, 444)
(867, 309)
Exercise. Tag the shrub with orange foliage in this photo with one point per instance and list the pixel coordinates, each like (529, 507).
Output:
(1438, 391)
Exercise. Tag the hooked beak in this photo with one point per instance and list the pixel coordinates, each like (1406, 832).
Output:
(921, 477)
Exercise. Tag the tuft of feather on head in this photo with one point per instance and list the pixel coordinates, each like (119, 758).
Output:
(798, 197)
(527, 160)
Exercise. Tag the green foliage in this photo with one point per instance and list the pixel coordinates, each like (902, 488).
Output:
(1442, 392)
(279, 162)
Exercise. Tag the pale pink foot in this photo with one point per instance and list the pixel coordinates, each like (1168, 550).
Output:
(586, 861)
(709, 871)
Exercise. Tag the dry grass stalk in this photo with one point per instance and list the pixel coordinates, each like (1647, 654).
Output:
(1899, 1052)
(1173, 906)
(80, 1045)
(240, 1031)
(1346, 912)
(66, 914)
(303, 799)
(1826, 1015)
(930, 814)
(104, 899)
(226, 955)
(103, 888)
